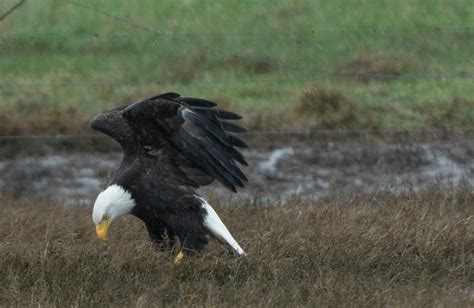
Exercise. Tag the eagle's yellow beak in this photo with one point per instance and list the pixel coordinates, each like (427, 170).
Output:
(102, 229)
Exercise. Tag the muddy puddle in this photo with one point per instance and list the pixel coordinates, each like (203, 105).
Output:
(273, 173)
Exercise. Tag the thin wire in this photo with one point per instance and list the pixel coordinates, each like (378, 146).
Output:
(360, 131)
(50, 136)
(267, 132)
(154, 32)
(354, 76)
(271, 33)
(117, 18)
(12, 9)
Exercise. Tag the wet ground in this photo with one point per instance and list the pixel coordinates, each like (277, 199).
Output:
(273, 172)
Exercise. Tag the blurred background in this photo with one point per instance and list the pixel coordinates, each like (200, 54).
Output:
(360, 118)
(337, 96)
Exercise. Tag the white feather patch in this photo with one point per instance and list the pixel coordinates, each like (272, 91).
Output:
(113, 202)
(214, 224)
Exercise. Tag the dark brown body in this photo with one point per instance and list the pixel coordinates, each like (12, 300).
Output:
(172, 145)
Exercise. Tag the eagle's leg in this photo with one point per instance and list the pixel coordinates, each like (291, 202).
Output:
(178, 247)
(190, 244)
(179, 257)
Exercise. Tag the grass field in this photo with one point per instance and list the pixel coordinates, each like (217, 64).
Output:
(383, 61)
(416, 249)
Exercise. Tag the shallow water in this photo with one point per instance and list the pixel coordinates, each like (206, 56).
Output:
(273, 173)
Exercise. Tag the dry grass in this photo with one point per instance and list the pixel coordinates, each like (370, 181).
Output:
(366, 67)
(34, 118)
(329, 108)
(416, 249)
(252, 64)
(451, 111)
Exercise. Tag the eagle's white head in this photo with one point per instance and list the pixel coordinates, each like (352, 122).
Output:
(110, 204)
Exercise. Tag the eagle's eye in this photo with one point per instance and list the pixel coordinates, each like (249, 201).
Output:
(105, 217)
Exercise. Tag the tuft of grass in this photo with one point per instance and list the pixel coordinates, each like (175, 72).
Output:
(34, 118)
(366, 67)
(253, 65)
(328, 108)
(324, 105)
(415, 249)
(452, 112)
(186, 71)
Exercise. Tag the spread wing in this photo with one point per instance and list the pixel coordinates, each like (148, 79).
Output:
(194, 134)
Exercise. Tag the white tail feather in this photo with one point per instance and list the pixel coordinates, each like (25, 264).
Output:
(214, 224)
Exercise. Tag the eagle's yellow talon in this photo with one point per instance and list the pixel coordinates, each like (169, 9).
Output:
(179, 257)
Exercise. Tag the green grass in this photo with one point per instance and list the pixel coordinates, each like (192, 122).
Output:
(410, 250)
(103, 62)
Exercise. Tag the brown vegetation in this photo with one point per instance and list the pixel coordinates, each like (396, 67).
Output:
(365, 67)
(416, 249)
(255, 65)
(328, 108)
(184, 71)
(33, 118)
(450, 113)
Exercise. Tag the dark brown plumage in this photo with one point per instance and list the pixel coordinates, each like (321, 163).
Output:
(172, 145)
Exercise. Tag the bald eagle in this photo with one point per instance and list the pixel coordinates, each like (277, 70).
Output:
(172, 145)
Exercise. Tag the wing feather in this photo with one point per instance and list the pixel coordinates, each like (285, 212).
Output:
(233, 128)
(196, 102)
(205, 146)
